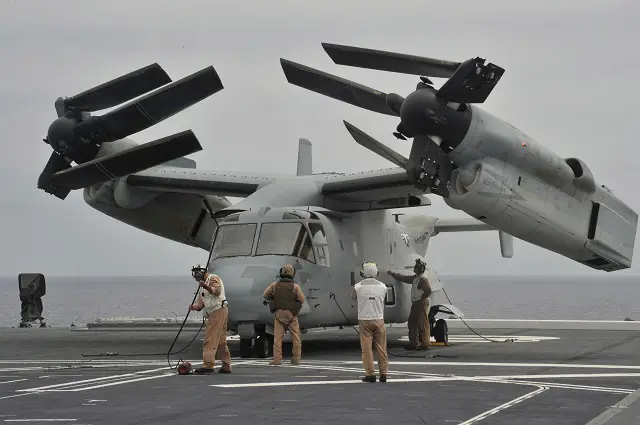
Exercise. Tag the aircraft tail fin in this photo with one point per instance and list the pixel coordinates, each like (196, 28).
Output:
(305, 158)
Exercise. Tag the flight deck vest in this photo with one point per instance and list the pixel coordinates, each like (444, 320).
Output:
(284, 297)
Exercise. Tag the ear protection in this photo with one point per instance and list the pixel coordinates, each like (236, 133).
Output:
(287, 271)
(370, 264)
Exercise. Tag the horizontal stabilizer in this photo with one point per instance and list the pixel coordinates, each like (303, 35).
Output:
(121, 89)
(152, 108)
(128, 161)
(335, 87)
(376, 147)
(390, 61)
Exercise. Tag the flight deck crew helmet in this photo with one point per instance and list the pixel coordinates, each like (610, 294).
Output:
(287, 271)
(420, 266)
(369, 269)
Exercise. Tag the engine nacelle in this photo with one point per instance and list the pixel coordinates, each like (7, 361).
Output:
(595, 228)
(583, 178)
(479, 189)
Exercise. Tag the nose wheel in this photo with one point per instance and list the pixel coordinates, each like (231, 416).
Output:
(260, 346)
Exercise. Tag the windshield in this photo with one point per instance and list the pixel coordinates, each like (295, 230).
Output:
(285, 239)
(233, 240)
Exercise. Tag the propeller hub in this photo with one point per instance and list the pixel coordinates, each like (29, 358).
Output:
(417, 113)
(63, 139)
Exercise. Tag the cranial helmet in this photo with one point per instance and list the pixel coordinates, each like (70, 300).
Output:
(287, 271)
(420, 264)
(369, 269)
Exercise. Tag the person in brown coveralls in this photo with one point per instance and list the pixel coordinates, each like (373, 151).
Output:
(419, 331)
(213, 301)
(287, 299)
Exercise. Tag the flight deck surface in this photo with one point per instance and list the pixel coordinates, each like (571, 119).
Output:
(532, 376)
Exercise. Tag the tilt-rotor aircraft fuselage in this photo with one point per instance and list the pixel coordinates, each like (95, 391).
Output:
(327, 224)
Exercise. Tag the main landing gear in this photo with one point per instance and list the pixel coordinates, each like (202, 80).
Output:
(259, 346)
(439, 328)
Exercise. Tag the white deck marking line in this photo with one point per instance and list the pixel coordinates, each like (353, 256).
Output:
(558, 385)
(128, 381)
(20, 395)
(504, 406)
(436, 363)
(114, 360)
(342, 381)
(566, 376)
(40, 420)
(15, 380)
(104, 381)
(358, 370)
(102, 378)
(474, 338)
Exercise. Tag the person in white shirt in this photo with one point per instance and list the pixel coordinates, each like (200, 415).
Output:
(371, 294)
(214, 303)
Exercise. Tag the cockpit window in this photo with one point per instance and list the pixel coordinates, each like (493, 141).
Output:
(285, 239)
(233, 240)
(321, 244)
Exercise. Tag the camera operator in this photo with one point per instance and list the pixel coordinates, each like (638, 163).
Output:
(211, 298)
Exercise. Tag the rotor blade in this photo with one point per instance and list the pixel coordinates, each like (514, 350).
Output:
(374, 146)
(121, 89)
(472, 82)
(55, 164)
(335, 87)
(152, 108)
(127, 162)
(389, 61)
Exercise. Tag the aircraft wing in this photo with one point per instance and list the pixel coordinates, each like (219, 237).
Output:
(377, 189)
(201, 182)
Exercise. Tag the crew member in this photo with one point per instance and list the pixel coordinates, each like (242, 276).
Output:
(370, 294)
(213, 300)
(419, 331)
(287, 298)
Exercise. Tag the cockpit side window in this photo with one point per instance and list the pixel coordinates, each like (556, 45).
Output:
(285, 239)
(233, 240)
(319, 238)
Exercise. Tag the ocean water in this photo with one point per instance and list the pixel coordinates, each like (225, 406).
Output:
(82, 299)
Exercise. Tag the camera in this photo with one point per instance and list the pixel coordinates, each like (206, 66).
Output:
(198, 272)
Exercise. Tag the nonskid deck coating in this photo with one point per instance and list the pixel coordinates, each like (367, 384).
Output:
(569, 379)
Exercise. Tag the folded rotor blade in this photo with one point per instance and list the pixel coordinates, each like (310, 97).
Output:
(152, 108)
(472, 82)
(55, 164)
(389, 61)
(335, 87)
(374, 146)
(121, 89)
(127, 162)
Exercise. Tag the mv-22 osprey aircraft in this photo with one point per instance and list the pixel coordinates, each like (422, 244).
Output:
(327, 224)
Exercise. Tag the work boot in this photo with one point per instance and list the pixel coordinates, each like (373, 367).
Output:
(383, 378)
(295, 362)
(369, 378)
(203, 370)
(410, 347)
(274, 363)
(223, 370)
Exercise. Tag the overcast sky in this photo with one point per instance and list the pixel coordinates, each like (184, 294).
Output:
(571, 68)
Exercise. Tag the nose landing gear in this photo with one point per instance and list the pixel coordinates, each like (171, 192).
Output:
(259, 346)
